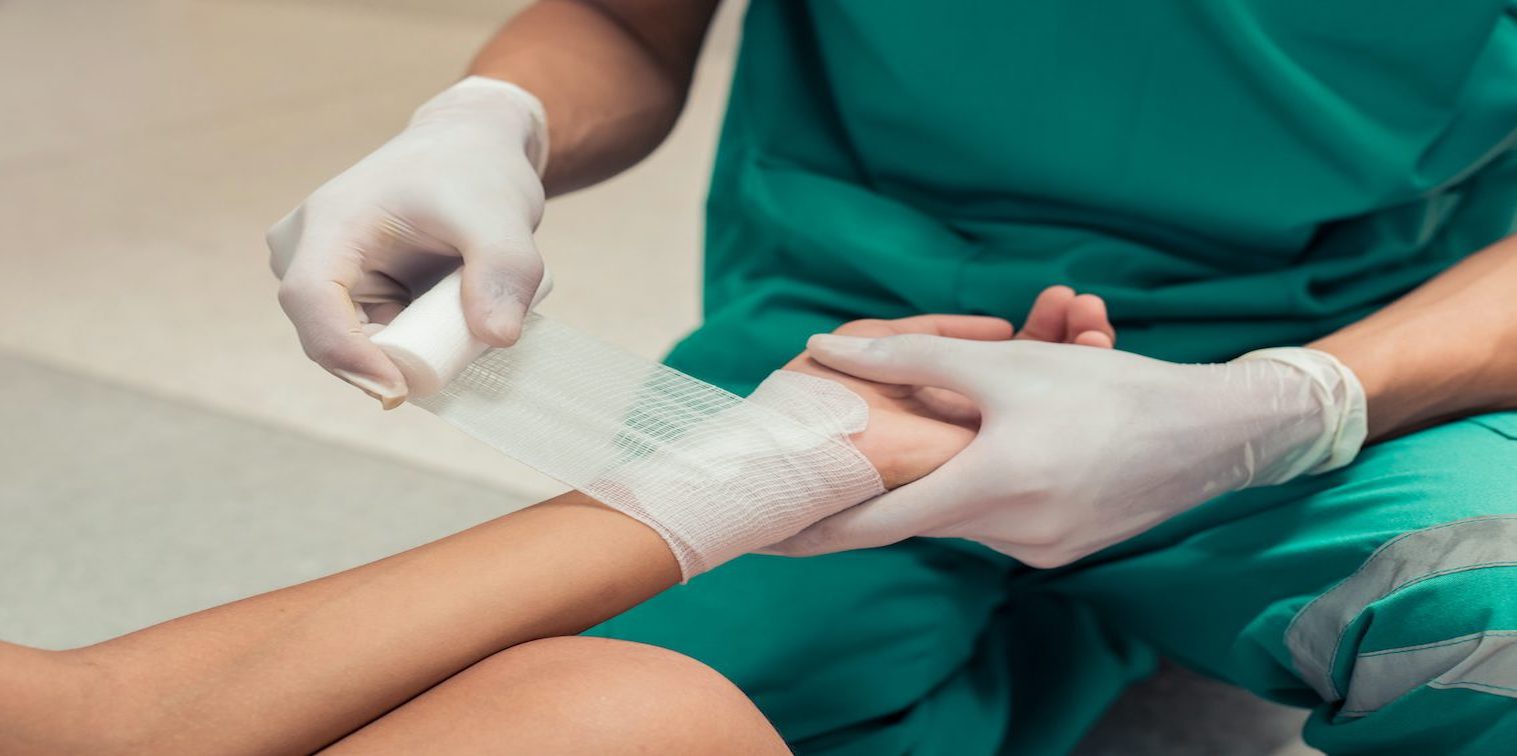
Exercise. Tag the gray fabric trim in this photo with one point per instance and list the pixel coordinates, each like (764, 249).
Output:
(1315, 633)
(1486, 662)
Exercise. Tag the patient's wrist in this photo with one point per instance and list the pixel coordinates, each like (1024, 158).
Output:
(754, 474)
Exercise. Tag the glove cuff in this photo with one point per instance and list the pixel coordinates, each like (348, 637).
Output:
(1341, 397)
(473, 89)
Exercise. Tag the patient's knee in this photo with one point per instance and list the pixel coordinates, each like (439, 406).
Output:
(613, 695)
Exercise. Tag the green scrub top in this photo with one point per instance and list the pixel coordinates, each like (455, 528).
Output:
(1227, 174)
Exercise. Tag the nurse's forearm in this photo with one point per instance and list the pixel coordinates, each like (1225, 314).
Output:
(612, 74)
(294, 669)
(1447, 349)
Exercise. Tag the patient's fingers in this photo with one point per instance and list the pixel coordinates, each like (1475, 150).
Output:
(1049, 316)
(936, 403)
(1096, 339)
(1087, 322)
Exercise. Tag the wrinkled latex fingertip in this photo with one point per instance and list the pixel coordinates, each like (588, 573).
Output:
(504, 333)
(501, 325)
(389, 397)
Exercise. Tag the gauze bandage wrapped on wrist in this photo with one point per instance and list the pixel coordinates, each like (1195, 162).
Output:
(714, 474)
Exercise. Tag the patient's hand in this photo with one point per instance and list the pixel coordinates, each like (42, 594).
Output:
(914, 430)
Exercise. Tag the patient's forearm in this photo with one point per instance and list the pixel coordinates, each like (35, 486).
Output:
(41, 695)
(291, 670)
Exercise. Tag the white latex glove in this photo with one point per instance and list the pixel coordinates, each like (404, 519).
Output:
(1080, 448)
(461, 182)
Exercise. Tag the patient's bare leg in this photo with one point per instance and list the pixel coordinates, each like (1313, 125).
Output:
(575, 695)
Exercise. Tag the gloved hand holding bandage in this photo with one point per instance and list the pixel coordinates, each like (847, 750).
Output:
(459, 184)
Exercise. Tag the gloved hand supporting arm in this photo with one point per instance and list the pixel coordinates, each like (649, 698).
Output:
(1081, 448)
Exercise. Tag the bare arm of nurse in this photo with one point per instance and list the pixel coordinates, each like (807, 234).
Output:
(594, 86)
(400, 653)
(1443, 351)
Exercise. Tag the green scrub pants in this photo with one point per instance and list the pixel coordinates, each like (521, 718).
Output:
(1382, 595)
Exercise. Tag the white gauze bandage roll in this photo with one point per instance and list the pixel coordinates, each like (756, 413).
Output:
(716, 475)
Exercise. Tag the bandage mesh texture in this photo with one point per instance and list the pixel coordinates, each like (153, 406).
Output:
(715, 474)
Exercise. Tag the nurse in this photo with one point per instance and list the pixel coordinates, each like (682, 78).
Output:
(1227, 177)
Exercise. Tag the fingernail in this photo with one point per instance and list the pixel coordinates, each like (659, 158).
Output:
(840, 346)
(388, 396)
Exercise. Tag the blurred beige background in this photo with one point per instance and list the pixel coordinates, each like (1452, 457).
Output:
(166, 446)
(149, 143)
